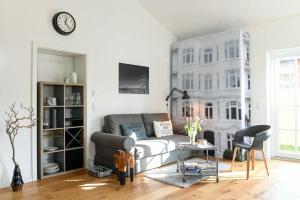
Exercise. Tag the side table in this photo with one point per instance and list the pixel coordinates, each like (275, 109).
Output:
(122, 159)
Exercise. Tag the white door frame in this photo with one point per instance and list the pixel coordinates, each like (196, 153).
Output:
(273, 58)
(34, 80)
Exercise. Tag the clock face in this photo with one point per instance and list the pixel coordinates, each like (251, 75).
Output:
(64, 23)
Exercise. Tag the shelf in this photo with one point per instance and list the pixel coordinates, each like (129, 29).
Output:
(53, 106)
(74, 106)
(68, 134)
(53, 129)
(71, 127)
(56, 151)
(74, 148)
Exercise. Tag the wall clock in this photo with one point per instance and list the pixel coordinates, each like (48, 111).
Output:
(64, 23)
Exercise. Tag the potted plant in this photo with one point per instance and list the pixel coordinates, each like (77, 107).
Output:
(227, 154)
(14, 122)
(193, 125)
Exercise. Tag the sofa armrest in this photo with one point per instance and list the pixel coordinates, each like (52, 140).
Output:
(106, 145)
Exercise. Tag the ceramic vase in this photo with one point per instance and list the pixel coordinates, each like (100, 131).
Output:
(17, 180)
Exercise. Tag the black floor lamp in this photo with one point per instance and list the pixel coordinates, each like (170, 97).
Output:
(184, 93)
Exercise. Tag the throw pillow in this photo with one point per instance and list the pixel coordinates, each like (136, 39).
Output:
(134, 130)
(163, 128)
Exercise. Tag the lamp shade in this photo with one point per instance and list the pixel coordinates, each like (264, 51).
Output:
(185, 95)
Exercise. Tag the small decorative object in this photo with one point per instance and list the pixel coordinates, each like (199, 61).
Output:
(193, 125)
(51, 101)
(74, 77)
(64, 23)
(202, 142)
(67, 78)
(51, 168)
(78, 99)
(54, 148)
(14, 123)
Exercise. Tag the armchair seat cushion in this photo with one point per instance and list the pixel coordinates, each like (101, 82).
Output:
(155, 146)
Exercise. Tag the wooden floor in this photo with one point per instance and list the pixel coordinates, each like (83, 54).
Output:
(283, 183)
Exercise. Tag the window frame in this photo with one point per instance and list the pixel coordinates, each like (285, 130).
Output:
(208, 82)
(232, 49)
(233, 110)
(188, 53)
(187, 106)
(188, 80)
(208, 55)
(233, 74)
(209, 111)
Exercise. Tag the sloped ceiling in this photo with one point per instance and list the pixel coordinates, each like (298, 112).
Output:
(186, 18)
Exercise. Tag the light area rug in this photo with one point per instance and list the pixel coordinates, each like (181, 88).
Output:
(168, 174)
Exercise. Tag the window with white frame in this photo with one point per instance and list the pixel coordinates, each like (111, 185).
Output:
(209, 111)
(218, 80)
(208, 82)
(233, 79)
(233, 110)
(232, 49)
(188, 56)
(188, 81)
(230, 138)
(217, 53)
(208, 55)
(199, 81)
(187, 109)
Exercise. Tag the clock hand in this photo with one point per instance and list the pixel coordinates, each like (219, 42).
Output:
(67, 23)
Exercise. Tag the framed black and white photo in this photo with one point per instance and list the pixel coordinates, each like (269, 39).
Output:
(133, 79)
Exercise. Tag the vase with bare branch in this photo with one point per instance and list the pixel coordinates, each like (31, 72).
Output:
(14, 122)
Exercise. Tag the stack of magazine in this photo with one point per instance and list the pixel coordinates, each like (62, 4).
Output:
(98, 171)
(192, 168)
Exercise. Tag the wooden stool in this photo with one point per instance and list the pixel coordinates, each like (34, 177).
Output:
(122, 159)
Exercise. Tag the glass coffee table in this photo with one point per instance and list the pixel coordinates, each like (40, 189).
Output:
(192, 161)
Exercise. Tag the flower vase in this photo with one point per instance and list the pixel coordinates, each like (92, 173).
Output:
(17, 181)
(192, 136)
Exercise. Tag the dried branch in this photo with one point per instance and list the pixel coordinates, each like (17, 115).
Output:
(14, 122)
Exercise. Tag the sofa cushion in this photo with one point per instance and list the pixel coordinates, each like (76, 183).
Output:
(163, 128)
(113, 122)
(155, 146)
(134, 130)
(148, 119)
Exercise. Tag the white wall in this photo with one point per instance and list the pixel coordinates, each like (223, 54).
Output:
(110, 31)
(275, 35)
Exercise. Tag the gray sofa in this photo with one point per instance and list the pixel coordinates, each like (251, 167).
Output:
(150, 153)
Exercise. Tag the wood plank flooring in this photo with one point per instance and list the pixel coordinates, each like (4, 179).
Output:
(283, 183)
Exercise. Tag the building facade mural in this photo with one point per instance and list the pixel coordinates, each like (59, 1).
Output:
(215, 71)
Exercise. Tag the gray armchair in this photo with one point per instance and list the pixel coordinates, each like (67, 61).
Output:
(107, 144)
(260, 135)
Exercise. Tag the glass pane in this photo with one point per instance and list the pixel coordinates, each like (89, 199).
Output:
(233, 113)
(286, 141)
(231, 52)
(286, 117)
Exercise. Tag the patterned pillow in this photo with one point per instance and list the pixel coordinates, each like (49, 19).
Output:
(134, 130)
(163, 128)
